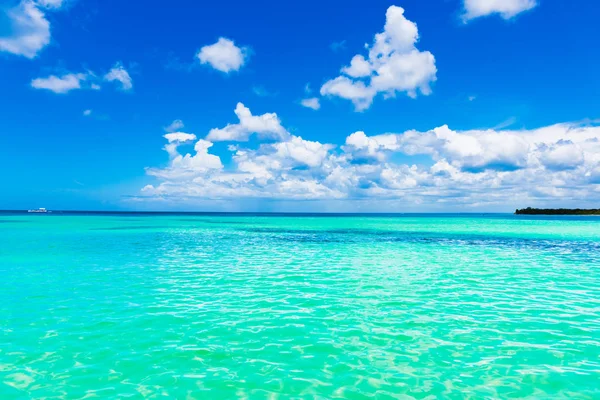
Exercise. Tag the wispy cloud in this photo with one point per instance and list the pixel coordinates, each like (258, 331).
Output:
(89, 113)
(174, 126)
(68, 81)
(338, 46)
(261, 91)
(59, 84)
(506, 123)
(174, 63)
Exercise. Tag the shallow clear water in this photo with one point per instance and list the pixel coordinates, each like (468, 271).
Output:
(213, 307)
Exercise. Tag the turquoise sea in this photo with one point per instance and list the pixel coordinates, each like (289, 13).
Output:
(209, 306)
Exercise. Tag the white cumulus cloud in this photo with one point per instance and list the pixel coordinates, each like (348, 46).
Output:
(28, 27)
(224, 55)
(188, 166)
(563, 155)
(60, 85)
(265, 126)
(176, 139)
(393, 65)
(359, 67)
(119, 74)
(201, 162)
(180, 137)
(505, 8)
(312, 102)
(310, 153)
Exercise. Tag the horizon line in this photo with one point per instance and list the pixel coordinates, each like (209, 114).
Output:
(248, 212)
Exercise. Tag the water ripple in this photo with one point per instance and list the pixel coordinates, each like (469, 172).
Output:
(268, 308)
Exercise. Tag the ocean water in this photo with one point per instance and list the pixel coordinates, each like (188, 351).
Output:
(319, 307)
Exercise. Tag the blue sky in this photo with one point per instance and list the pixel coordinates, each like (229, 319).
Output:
(474, 105)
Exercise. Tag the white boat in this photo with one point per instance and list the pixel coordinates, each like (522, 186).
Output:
(39, 210)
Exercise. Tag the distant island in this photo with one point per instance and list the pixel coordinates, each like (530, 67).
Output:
(557, 211)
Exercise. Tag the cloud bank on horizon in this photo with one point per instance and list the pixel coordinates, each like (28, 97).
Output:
(475, 167)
